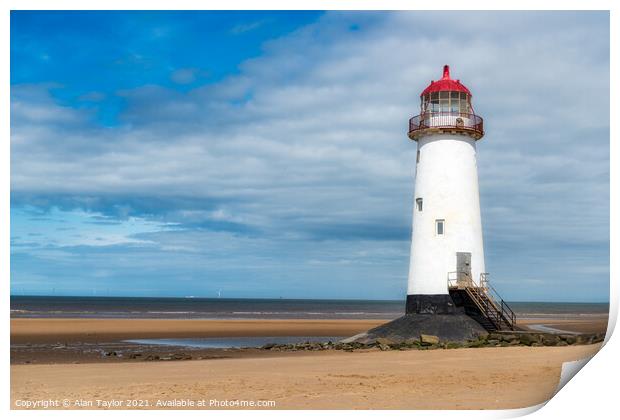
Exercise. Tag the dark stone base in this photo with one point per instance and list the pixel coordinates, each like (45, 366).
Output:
(448, 327)
(431, 304)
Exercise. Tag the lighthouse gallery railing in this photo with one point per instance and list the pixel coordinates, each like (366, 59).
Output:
(455, 120)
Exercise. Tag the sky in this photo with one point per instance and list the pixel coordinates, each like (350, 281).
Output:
(265, 155)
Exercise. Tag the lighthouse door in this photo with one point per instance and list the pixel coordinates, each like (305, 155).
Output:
(463, 266)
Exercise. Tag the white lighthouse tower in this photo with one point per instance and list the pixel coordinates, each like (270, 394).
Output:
(448, 294)
(447, 230)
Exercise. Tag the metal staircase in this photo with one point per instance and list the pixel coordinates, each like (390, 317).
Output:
(482, 301)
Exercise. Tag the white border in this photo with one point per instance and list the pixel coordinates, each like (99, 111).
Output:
(591, 395)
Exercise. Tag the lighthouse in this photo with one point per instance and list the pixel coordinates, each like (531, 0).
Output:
(448, 295)
(447, 246)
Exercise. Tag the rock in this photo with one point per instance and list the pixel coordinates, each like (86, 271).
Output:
(384, 341)
(453, 345)
(581, 339)
(509, 337)
(384, 347)
(493, 342)
(269, 346)
(550, 340)
(412, 342)
(475, 344)
(429, 339)
(528, 339)
(568, 338)
(494, 337)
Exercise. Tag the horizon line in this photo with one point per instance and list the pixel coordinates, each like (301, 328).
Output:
(273, 298)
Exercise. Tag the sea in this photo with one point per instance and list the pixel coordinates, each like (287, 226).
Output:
(221, 308)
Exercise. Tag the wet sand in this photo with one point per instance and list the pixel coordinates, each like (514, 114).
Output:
(60, 330)
(64, 340)
(46, 340)
(587, 325)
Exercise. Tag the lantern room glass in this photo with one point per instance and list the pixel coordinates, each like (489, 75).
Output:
(446, 102)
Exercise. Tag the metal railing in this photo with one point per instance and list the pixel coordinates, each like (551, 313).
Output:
(455, 120)
(506, 311)
(460, 279)
(486, 298)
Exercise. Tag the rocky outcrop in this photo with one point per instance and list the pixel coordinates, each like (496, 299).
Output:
(429, 342)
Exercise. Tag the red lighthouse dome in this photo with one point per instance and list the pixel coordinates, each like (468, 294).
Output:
(445, 84)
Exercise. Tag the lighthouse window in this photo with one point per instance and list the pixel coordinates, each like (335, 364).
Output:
(418, 202)
(439, 226)
(454, 105)
(444, 101)
(434, 102)
(464, 109)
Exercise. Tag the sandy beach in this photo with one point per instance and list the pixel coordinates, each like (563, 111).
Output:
(439, 379)
(510, 377)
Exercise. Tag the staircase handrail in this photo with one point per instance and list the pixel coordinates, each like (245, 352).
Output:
(504, 309)
(484, 307)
